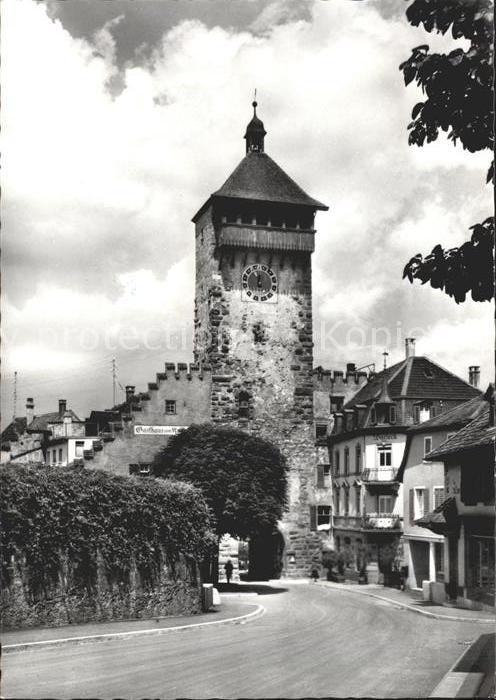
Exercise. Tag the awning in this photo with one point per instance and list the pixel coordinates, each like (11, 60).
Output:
(443, 519)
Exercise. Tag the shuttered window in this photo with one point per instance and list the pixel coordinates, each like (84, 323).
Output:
(313, 518)
(411, 506)
(438, 496)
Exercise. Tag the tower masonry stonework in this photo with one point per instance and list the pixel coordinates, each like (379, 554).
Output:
(253, 324)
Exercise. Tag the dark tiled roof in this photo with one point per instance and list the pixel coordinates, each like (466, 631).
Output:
(259, 177)
(478, 433)
(13, 430)
(41, 423)
(416, 378)
(458, 416)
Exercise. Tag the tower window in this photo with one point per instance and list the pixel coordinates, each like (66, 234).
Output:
(170, 407)
(320, 431)
(243, 404)
(336, 403)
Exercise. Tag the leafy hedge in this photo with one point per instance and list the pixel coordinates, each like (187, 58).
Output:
(69, 529)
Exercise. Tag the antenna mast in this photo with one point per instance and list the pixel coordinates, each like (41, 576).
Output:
(114, 376)
(15, 396)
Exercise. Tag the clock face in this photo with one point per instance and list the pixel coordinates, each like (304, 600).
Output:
(259, 283)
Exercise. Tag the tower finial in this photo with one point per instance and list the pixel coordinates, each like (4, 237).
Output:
(255, 131)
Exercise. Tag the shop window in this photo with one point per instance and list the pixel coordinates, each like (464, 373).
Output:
(439, 561)
(170, 407)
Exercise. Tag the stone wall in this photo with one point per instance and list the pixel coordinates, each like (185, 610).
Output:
(63, 605)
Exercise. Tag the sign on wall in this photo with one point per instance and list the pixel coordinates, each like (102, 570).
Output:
(158, 429)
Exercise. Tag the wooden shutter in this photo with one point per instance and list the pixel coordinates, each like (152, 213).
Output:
(411, 505)
(313, 518)
(426, 501)
(320, 476)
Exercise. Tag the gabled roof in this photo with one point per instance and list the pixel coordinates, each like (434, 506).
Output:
(41, 423)
(259, 177)
(415, 378)
(456, 417)
(478, 433)
(14, 430)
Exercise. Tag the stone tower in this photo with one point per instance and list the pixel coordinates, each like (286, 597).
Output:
(253, 326)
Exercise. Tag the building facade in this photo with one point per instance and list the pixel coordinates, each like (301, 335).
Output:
(366, 449)
(466, 518)
(423, 490)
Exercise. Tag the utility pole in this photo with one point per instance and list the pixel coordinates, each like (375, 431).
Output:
(114, 376)
(15, 396)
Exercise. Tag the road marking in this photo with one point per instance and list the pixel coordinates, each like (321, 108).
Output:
(241, 619)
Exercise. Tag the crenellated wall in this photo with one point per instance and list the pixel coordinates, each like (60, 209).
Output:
(188, 385)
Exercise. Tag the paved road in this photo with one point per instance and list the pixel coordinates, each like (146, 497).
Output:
(312, 641)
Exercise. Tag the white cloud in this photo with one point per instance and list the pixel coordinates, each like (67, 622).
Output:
(99, 188)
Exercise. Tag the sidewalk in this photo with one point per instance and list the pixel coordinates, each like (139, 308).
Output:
(411, 601)
(228, 612)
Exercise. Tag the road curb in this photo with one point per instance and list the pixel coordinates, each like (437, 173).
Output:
(459, 682)
(405, 606)
(240, 619)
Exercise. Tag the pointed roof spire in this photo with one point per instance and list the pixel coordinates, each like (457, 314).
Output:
(255, 131)
(384, 397)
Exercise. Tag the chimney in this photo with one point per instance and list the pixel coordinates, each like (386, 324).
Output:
(409, 347)
(29, 411)
(62, 407)
(474, 376)
(129, 392)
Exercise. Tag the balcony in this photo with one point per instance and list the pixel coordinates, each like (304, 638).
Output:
(381, 521)
(348, 521)
(379, 474)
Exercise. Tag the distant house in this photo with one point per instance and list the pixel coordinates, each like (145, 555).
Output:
(423, 490)
(466, 518)
(56, 438)
(367, 443)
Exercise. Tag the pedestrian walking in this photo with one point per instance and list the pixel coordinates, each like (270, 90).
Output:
(228, 568)
(314, 575)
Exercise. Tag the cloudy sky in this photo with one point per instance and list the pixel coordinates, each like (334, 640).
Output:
(120, 118)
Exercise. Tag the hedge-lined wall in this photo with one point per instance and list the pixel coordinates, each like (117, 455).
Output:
(87, 545)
